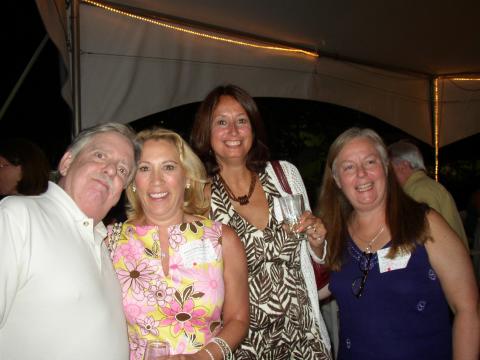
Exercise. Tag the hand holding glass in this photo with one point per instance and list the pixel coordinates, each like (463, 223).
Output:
(292, 207)
(156, 349)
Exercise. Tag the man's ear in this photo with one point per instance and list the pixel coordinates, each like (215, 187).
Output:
(403, 166)
(65, 163)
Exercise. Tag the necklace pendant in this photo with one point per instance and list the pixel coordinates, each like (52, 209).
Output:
(243, 200)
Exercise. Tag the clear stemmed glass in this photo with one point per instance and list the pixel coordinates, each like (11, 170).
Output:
(292, 207)
(156, 349)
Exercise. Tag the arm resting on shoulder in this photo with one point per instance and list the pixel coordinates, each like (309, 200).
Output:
(451, 262)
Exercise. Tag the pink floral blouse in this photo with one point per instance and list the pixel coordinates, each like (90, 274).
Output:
(183, 307)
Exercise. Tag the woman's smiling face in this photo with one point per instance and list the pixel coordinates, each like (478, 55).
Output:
(231, 131)
(160, 182)
(360, 174)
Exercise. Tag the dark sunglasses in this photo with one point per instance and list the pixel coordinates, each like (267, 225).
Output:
(358, 283)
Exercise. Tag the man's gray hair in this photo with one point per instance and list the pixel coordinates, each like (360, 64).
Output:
(405, 150)
(85, 136)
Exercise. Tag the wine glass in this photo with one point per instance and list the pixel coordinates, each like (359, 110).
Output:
(156, 349)
(292, 207)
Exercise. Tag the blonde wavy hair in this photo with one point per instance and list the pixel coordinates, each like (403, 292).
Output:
(195, 202)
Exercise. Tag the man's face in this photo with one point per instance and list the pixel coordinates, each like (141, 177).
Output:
(96, 176)
(402, 170)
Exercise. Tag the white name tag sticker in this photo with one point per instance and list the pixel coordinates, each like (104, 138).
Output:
(400, 261)
(197, 252)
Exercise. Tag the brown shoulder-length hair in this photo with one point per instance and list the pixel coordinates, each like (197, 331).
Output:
(195, 202)
(200, 140)
(405, 218)
(33, 161)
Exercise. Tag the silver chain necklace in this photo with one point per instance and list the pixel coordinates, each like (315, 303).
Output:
(368, 248)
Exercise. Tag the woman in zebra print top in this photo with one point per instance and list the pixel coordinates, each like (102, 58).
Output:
(285, 322)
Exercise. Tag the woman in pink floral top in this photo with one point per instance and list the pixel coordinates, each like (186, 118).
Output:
(183, 276)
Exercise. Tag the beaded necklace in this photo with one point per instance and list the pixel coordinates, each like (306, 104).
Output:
(244, 199)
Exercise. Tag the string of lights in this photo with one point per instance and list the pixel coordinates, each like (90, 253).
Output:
(436, 112)
(201, 34)
(230, 40)
(464, 78)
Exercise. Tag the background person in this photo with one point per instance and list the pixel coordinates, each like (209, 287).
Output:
(24, 168)
(396, 264)
(407, 162)
(60, 297)
(183, 276)
(285, 320)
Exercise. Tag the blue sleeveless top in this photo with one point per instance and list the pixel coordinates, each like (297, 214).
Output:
(402, 314)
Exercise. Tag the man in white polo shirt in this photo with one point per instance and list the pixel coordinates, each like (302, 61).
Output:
(59, 295)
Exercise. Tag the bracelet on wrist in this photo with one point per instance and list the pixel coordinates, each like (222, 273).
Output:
(224, 347)
(209, 353)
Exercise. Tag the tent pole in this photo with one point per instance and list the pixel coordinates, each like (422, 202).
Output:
(75, 66)
(435, 120)
(22, 77)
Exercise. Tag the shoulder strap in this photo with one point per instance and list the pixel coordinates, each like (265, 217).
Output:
(282, 179)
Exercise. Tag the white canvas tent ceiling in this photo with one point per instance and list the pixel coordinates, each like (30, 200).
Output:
(377, 57)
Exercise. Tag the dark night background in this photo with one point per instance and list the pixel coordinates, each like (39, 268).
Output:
(299, 130)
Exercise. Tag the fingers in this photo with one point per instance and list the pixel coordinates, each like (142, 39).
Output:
(317, 231)
(313, 227)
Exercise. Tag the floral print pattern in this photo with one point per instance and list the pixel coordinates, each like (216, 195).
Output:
(136, 277)
(132, 250)
(183, 307)
(160, 294)
(184, 317)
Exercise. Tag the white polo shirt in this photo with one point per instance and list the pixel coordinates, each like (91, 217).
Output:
(59, 295)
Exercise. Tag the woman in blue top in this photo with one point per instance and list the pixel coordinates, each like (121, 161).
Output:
(397, 266)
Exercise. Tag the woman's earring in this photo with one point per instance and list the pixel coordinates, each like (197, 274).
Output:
(187, 186)
(134, 188)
